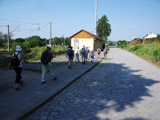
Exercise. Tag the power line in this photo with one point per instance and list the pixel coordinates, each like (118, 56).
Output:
(2, 19)
(14, 21)
(21, 28)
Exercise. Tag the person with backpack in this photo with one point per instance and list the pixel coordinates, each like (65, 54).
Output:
(83, 53)
(69, 47)
(105, 53)
(92, 55)
(70, 54)
(98, 52)
(16, 62)
(46, 58)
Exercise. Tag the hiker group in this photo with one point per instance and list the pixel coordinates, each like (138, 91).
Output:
(84, 52)
(47, 56)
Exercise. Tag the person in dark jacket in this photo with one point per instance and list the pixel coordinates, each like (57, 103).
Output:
(48, 66)
(70, 55)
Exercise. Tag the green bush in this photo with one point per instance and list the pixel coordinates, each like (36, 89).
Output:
(25, 47)
(123, 46)
(134, 48)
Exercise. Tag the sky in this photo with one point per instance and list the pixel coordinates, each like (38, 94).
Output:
(128, 18)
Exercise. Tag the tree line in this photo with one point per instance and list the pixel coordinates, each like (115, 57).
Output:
(31, 42)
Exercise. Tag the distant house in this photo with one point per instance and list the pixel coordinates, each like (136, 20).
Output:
(85, 38)
(151, 35)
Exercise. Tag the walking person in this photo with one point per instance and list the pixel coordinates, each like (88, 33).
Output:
(46, 58)
(70, 54)
(98, 52)
(16, 62)
(83, 54)
(77, 55)
(92, 55)
(105, 53)
(69, 47)
(88, 53)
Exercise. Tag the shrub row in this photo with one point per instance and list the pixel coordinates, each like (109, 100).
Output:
(150, 52)
(145, 41)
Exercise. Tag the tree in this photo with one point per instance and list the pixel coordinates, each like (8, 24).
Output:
(35, 41)
(67, 41)
(4, 40)
(61, 41)
(19, 40)
(103, 28)
(1, 39)
(122, 42)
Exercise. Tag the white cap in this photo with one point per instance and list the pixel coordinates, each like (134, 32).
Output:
(49, 46)
(18, 48)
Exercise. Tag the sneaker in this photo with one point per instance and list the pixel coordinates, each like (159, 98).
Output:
(18, 88)
(68, 66)
(43, 82)
(54, 78)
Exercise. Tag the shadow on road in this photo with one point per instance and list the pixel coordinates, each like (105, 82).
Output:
(115, 90)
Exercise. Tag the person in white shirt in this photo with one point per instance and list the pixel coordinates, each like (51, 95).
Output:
(18, 68)
(77, 55)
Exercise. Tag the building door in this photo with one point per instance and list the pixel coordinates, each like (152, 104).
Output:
(76, 43)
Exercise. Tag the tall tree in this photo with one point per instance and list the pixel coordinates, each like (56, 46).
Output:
(1, 39)
(103, 28)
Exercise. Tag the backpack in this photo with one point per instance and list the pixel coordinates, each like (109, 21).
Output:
(83, 51)
(70, 53)
(14, 60)
(45, 58)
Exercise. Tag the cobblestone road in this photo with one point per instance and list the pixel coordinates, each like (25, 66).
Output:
(123, 87)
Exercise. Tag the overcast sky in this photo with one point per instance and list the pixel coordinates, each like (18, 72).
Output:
(128, 18)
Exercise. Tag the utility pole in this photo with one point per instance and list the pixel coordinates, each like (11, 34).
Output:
(8, 39)
(96, 17)
(50, 32)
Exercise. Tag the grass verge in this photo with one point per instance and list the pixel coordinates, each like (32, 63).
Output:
(150, 52)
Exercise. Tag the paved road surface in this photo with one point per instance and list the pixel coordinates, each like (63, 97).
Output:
(123, 87)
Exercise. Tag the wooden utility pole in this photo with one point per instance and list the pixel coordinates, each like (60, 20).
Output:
(50, 32)
(8, 39)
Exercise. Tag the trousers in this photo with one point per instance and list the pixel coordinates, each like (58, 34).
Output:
(46, 68)
(18, 71)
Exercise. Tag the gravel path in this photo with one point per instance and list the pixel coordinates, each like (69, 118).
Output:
(123, 87)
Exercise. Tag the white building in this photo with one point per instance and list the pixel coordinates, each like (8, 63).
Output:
(85, 38)
(151, 35)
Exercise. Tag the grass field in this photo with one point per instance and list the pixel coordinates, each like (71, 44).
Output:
(36, 52)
